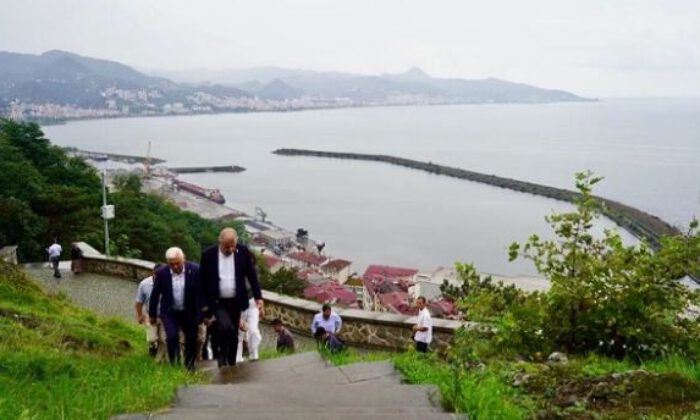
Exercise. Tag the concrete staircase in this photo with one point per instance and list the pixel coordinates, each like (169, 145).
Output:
(304, 386)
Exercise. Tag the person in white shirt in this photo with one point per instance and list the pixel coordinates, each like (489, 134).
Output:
(54, 252)
(249, 332)
(330, 321)
(423, 330)
(154, 333)
(228, 269)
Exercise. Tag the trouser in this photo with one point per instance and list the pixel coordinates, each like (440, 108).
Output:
(228, 316)
(201, 340)
(253, 336)
(155, 335)
(173, 323)
(421, 347)
(241, 340)
(54, 264)
(213, 340)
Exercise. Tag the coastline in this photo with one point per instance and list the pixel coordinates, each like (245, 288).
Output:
(62, 121)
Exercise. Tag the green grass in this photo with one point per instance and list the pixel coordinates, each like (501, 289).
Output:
(487, 393)
(480, 394)
(58, 361)
(352, 355)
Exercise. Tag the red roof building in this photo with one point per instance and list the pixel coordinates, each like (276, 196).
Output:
(273, 263)
(384, 271)
(443, 308)
(306, 259)
(337, 269)
(382, 279)
(397, 302)
(331, 292)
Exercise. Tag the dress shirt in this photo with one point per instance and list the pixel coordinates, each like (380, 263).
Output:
(424, 321)
(178, 290)
(331, 325)
(227, 276)
(55, 251)
(143, 294)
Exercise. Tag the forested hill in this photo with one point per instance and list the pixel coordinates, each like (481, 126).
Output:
(45, 193)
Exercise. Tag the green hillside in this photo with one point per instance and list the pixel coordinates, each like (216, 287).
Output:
(60, 361)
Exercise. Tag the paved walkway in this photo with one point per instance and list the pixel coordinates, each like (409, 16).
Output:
(303, 386)
(114, 297)
(107, 296)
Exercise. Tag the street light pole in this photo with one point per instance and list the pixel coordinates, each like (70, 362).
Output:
(104, 210)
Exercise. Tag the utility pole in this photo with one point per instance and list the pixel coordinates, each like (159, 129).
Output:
(148, 161)
(107, 211)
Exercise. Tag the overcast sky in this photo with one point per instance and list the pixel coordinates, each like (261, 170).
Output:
(592, 47)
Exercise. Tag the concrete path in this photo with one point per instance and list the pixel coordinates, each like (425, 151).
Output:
(114, 297)
(303, 386)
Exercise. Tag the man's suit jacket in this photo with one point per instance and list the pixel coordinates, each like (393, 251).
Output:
(163, 293)
(245, 270)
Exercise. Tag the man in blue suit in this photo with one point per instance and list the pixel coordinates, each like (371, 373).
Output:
(226, 268)
(178, 290)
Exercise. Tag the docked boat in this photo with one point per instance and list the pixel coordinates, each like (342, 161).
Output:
(212, 194)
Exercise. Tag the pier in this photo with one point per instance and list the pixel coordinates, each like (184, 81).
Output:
(641, 224)
(101, 156)
(203, 169)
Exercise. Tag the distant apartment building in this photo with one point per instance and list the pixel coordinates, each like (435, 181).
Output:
(331, 292)
(306, 260)
(277, 237)
(357, 286)
(337, 269)
(381, 279)
(428, 284)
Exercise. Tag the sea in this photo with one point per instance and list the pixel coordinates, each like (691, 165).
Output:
(648, 151)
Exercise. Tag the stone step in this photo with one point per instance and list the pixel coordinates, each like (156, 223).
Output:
(304, 395)
(310, 413)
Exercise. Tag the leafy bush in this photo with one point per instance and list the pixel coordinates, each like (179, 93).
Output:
(606, 297)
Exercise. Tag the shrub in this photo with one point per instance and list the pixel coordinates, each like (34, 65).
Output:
(622, 301)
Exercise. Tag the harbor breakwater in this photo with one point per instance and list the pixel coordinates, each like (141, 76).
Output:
(639, 223)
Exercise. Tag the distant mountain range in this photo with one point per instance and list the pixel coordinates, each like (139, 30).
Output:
(59, 85)
(359, 87)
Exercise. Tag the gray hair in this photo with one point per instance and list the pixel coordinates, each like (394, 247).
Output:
(228, 233)
(173, 253)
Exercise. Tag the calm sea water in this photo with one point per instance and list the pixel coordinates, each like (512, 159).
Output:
(648, 150)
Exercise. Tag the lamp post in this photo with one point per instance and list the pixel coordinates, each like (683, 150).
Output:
(107, 211)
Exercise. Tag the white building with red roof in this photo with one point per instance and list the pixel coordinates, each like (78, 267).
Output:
(382, 279)
(332, 292)
(306, 259)
(337, 269)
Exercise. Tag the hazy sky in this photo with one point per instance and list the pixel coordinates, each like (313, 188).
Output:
(591, 47)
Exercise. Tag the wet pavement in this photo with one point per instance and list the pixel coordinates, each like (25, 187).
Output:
(304, 386)
(114, 297)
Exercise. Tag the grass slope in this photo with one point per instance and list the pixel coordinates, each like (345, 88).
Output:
(663, 389)
(58, 361)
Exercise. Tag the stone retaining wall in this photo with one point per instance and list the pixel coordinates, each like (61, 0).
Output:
(9, 254)
(380, 330)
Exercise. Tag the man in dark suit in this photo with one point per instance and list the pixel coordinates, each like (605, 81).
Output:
(178, 290)
(225, 269)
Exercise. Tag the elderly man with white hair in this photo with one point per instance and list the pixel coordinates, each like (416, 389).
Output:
(228, 272)
(178, 290)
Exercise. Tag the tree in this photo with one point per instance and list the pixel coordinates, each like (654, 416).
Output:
(623, 301)
(284, 281)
